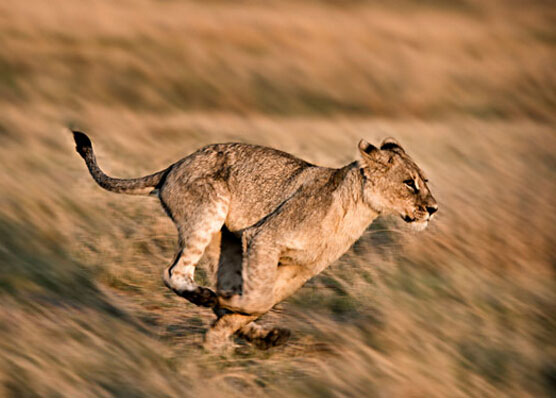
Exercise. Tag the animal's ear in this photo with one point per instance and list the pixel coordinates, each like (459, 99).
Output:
(391, 144)
(366, 148)
(369, 151)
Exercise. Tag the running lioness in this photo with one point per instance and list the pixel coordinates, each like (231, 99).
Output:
(267, 221)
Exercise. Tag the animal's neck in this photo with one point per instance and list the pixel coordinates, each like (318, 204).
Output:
(350, 185)
(357, 213)
(349, 218)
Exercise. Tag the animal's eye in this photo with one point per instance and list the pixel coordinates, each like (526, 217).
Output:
(411, 184)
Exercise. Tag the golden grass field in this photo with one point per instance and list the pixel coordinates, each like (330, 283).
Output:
(466, 308)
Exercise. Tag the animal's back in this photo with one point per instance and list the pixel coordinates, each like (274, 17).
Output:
(257, 178)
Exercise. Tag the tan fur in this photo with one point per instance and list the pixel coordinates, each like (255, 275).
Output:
(268, 221)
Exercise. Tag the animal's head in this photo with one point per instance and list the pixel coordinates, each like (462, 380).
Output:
(395, 184)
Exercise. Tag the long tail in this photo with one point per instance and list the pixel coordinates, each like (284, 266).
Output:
(131, 186)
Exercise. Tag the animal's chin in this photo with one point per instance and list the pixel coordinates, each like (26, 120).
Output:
(416, 225)
(419, 225)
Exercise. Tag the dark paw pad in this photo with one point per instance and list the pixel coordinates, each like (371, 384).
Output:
(201, 296)
(274, 338)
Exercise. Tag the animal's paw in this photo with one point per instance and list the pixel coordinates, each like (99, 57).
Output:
(201, 296)
(274, 338)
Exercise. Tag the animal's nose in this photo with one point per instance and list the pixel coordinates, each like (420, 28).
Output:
(432, 209)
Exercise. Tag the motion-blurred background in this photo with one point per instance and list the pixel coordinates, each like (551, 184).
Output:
(464, 309)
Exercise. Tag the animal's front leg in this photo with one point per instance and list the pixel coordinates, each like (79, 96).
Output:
(289, 279)
(259, 270)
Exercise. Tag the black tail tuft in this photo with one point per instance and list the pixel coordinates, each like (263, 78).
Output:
(82, 143)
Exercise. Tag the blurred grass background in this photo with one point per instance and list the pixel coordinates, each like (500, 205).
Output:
(464, 309)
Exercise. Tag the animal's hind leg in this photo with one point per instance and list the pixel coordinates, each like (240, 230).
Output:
(229, 323)
(180, 278)
(264, 337)
(224, 327)
(195, 234)
(211, 258)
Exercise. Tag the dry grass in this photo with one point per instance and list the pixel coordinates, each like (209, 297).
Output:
(464, 309)
(492, 61)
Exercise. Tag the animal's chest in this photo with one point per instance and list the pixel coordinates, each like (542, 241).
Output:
(328, 239)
